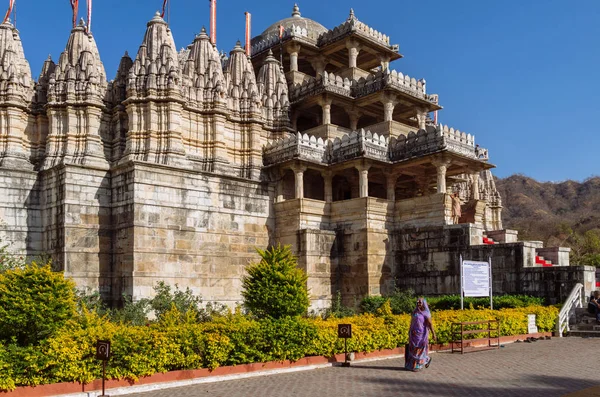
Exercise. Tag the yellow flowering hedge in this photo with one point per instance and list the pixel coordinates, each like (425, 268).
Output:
(173, 343)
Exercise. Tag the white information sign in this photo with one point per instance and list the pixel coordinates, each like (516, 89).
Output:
(476, 278)
(531, 327)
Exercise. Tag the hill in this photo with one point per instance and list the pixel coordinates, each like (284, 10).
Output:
(565, 213)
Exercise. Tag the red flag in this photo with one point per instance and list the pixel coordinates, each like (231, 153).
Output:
(162, 15)
(10, 8)
(281, 30)
(89, 15)
(75, 7)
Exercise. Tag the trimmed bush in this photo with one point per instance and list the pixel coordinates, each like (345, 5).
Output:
(34, 303)
(274, 287)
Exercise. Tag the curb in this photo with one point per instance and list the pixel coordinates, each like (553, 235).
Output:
(181, 378)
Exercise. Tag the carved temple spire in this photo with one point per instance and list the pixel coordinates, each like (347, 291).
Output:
(241, 81)
(79, 74)
(76, 96)
(16, 92)
(156, 66)
(273, 90)
(203, 73)
(119, 85)
(155, 74)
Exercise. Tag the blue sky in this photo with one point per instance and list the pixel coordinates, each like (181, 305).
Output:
(521, 75)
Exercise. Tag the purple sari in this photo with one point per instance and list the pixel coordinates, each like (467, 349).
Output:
(417, 354)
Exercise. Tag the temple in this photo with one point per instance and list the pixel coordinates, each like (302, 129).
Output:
(185, 162)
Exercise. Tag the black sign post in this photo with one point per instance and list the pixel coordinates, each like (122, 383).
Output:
(345, 331)
(103, 353)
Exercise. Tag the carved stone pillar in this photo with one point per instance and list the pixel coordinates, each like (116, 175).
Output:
(319, 63)
(280, 186)
(475, 185)
(389, 103)
(384, 62)
(388, 111)
(441, 166)
(353, 50)
(354, 117)
(423, 185)
(299, 181)
(293, 50)
(328, 187)
(363, 180)
(326, 108)
(422, 118)
(390, 182)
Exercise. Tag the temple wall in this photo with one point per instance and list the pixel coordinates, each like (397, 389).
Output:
(428, 261)
(434, 209)
(194, 230)
(317, 256)
(76, 203)
(20, 215)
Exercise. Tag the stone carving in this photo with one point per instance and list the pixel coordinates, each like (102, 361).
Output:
(16, 92)
(328, 82)
(294, 27)
(353, 25)
(359, 144)
(296, 146)
(273, 92)
(241, 82)
(203, 80)
(76, 103)
(431, 140)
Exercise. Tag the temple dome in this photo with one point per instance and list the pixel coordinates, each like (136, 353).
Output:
(313, 28)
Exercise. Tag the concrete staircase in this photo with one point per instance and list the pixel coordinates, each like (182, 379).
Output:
(585, 325)
(539, 260)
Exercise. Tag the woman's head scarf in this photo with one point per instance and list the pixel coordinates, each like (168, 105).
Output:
(424, 310)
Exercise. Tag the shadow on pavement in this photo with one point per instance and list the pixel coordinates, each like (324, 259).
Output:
(531, 386)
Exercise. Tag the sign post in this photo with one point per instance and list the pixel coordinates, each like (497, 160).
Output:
(475, 280)
(103, 353)
(345, 331)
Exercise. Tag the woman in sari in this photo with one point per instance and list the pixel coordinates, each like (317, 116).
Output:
(417, 354)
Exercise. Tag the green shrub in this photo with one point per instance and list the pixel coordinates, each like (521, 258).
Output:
(34, 303)
(184, 301)
(132, 313)
(274, 287)
(232, 339)
(338, 309)
(452, 302)
(401, 301)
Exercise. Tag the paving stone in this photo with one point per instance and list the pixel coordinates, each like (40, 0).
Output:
(546, 368)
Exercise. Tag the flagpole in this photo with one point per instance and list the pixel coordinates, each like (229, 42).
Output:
(89, 16)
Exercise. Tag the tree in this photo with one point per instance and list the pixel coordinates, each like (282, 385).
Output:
(34, 303)
(274, 287)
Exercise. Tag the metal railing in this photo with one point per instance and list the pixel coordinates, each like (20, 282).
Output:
(574, 300)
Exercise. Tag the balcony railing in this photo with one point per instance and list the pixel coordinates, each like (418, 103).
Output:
(365, 144)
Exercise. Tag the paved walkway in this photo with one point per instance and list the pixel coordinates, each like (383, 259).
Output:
(543, 368)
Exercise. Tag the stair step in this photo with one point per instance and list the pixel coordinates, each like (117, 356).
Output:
(588, 334)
